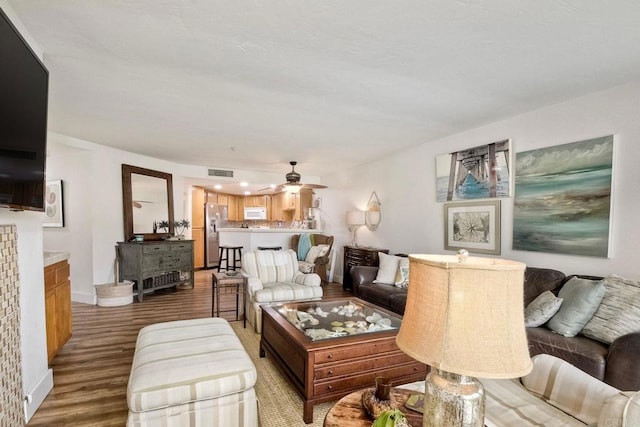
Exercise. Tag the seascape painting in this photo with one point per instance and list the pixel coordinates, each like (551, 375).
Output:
(562, 200)
(474, 173)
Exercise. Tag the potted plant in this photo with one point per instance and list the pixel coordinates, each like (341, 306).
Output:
(180, 227)
(164, 225)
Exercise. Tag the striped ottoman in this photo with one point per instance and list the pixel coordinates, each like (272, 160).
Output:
(191, 373)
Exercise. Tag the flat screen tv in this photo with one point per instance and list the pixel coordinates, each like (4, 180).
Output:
(24, 83)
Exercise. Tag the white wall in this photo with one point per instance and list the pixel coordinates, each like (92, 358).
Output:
(92, 183)
(413, 220)
(36, 376)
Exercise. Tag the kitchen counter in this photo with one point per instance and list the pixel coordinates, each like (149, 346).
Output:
(251, 238)
(52, 257)
(268, 230)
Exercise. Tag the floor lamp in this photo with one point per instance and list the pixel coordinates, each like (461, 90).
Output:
(464, 318)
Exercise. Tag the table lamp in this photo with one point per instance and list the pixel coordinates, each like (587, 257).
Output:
(464, 317)
(355, 219)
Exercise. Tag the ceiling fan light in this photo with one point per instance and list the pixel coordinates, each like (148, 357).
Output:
(292, 188)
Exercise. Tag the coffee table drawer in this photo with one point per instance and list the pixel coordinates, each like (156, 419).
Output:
(368, 364)
(367, 379)
(351, 352)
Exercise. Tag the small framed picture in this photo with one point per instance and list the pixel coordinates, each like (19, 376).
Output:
(53, 206)
(474, 226)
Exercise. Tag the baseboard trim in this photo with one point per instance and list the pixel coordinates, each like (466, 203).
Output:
(84, 298)
(36, 396)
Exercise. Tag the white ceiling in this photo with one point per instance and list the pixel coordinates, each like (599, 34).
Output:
(327, 83)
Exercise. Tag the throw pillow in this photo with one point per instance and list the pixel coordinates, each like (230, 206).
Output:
(541, 309)
(316, 252)
(387, 269)
(619, 312)
(402, 275)
(581, 300)
(305, 242)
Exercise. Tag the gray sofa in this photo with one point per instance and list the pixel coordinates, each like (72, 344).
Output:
(616, 364)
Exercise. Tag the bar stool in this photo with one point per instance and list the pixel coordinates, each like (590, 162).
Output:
(236, 252)
(269, 248)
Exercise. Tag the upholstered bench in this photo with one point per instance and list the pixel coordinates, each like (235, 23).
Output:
(191, 373)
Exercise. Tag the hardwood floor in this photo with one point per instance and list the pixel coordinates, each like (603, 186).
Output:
(91, 371)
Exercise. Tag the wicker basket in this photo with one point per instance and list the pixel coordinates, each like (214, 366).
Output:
(115, 294)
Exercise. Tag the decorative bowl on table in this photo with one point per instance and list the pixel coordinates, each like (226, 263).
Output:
(231, 273)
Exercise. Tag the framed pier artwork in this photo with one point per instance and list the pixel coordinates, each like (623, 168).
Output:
(474, 173)
(562, 201)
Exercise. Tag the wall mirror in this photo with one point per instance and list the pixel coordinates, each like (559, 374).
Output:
(373, 213)
(147, 196)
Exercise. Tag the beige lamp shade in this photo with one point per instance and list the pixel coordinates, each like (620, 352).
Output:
(466, 317)
(355, 218)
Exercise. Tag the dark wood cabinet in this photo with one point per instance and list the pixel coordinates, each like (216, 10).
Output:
(156, 265)
(358, 255)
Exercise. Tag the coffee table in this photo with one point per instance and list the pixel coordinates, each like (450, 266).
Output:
(345, 360)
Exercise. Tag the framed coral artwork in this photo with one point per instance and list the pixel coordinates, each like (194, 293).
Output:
(474, 226)
(53, 207)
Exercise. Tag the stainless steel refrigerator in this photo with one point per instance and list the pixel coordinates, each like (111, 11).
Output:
(216, 217)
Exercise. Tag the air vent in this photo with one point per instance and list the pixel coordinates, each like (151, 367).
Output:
(220, 172)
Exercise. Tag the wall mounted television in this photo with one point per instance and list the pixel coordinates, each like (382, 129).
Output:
(24, 83)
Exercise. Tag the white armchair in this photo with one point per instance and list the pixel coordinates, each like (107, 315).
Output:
(273, 276)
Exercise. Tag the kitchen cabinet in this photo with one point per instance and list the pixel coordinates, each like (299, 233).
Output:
(358, 255)
(296, 205)
(276, 207)
(197, 225)
(156, 265)
(251, 201)
(303, 202)
(222, 199)
(57, 306)
(289, 201)
(232, 208)
(197, 207)
(197, 234)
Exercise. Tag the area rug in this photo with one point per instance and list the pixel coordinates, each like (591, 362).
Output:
(278, 402)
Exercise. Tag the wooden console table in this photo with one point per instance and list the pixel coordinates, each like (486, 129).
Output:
(156, 264)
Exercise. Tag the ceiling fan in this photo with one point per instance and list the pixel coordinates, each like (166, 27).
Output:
(138, 203)
(293, 183)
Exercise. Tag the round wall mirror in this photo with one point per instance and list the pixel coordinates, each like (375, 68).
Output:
(373, 214)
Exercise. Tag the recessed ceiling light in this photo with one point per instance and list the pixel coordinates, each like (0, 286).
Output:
(246, 193)
(217, 186)
(272, 186)
(244, 184)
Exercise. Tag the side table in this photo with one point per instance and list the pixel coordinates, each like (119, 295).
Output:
(228, 284)
(349, 410)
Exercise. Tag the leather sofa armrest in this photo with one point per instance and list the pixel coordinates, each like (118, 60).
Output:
(623, 371)
(361, 274)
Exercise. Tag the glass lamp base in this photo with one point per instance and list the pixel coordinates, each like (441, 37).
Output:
(453, 400)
